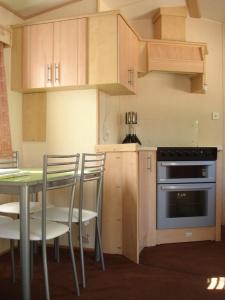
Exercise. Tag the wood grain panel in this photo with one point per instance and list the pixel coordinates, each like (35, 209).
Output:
(172, 57)
(16, 58)
(102, 44)
(130, 205)
(133, 58)
(124, 74)
(182, 235)
(82, 51)
(37, 55)
(112, 205)
(65, 53)
(34, 117)
(147, 198)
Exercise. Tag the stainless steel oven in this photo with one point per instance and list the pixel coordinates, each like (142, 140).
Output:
(186, 179)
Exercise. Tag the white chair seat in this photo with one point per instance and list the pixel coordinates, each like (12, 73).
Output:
(60, 214)
(4, 219)
(14, 207)
(11, 230)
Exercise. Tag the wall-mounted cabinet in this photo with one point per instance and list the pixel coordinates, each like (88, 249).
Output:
(50, 55)
(113, 55)
(97, 51)
(179, 57)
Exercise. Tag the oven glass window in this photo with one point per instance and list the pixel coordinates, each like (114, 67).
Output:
(187, 204)
(174, 172)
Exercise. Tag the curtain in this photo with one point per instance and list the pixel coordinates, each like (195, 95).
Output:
(5, 135)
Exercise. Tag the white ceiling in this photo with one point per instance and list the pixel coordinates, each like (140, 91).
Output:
(210, 9)
(27, 8)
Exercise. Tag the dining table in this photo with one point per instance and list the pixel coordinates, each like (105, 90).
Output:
(24, 183)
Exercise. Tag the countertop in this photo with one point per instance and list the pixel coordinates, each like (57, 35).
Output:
(133, 147)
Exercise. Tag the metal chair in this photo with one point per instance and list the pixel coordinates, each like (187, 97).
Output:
(42, 229)
(92, 169)
(12, 162)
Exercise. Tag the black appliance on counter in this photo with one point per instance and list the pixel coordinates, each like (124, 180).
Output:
(186, 187)
(131, 120)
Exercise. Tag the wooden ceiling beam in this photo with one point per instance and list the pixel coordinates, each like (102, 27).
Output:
(193, 8)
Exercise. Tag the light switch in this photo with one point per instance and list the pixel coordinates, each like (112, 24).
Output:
(215, 115)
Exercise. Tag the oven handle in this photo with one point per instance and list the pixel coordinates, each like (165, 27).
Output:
(187, 163)
(184, 187)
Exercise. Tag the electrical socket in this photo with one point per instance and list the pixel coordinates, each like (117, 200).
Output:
(215, 115)
(195, 124)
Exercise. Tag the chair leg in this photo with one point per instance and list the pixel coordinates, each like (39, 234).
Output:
(13, 269)
(82, 257)
(97, 251)
(45, 266)
(31, 259)
(100, 245)
(56, 249)
(73, 264)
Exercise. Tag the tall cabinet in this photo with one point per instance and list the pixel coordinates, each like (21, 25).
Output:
(129, 184)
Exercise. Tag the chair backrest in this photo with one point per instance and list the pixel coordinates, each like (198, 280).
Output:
(10, 161)
(92, 169)
(59, 171)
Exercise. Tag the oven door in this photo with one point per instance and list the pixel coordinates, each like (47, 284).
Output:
(186, 171)
(185, 205)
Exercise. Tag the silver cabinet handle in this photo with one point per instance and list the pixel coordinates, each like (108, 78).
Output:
(149, 163)
(186, 188)
(131, 76)
(187, 163)
(49, 73)
(56, 72)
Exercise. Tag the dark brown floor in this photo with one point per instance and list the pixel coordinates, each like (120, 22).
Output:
(166, 272)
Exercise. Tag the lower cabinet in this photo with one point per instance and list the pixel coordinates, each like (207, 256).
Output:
(129, 182)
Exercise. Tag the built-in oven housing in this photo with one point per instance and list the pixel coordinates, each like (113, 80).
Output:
(186, 195)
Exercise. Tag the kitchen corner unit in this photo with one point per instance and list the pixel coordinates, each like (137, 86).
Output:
(129, 183)
(130, 204)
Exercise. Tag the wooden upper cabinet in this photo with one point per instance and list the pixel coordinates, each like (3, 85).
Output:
(69, 53)
(37, 56)
(128, 55)
(113, 56)
(53, 54)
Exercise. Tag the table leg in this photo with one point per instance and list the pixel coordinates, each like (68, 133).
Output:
(25, 243)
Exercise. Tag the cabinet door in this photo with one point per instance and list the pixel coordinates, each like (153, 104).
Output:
(37, 55)
(133, 60)
(128, 55)
(112, 205)
(123, 50)
(147, 198)
(69, 52)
